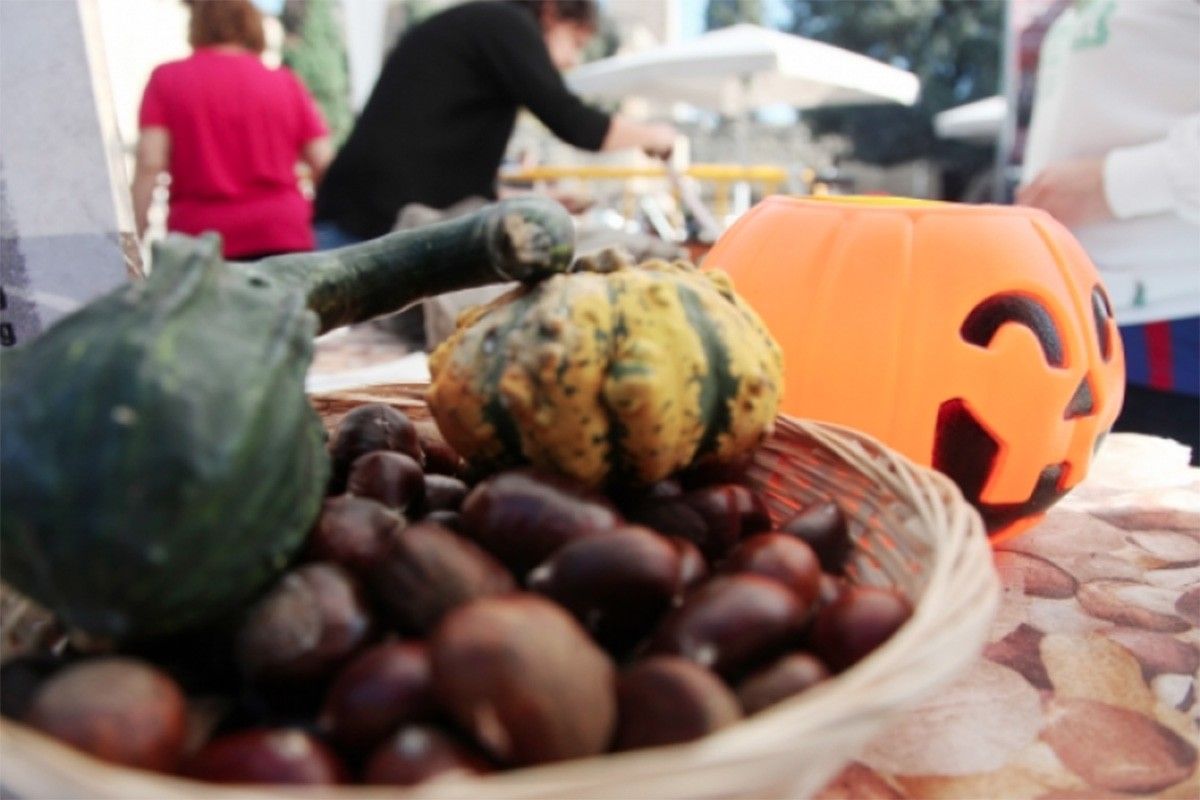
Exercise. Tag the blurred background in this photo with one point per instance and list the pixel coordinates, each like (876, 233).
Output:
(961, 138)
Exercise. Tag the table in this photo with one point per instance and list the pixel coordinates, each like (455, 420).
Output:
(1088, 686)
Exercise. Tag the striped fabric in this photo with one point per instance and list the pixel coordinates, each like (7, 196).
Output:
(1164, 355)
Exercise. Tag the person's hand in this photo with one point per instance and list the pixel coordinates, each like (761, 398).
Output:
(1072, 192)
(659, 140)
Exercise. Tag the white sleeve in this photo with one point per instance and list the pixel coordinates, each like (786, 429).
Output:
(1157, 177)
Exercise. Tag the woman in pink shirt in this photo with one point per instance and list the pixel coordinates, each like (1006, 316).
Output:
(230, 131)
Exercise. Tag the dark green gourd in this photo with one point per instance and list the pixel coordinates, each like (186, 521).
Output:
(159, 460)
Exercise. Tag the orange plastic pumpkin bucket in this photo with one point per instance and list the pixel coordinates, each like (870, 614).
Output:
(975, 339)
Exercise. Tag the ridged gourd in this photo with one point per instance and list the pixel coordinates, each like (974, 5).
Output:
(611, 373)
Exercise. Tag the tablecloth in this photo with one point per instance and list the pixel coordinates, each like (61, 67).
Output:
(1087, 687)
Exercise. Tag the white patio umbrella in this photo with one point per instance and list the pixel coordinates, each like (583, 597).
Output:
(978, 121)
(733, 70)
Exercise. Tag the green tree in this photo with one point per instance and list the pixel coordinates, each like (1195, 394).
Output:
(315, 50)
(723, 13)
(953, 46)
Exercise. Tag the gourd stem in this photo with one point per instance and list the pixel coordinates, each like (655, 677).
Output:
(524, 239)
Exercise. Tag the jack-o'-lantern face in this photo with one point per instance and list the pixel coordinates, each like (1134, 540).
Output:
(976, 339)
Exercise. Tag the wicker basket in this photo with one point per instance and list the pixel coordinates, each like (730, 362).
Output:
(912, 530)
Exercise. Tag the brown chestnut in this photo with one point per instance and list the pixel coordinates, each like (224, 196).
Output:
(381, 688)
(267, 755)
(618, 585)
(304, 627)
(116, 709)
(440, 457)
(858, 621)
(21, 678)
(522, 516)
(364, 429)
(667, 699)
(660, 506)
(730, 512)
(693, 569)
(523, 677)
(391, 478)
(784, 558)
(450, 520)
(353, 531)
(822, 526)
(430, 570)
(417, 753)
(443, 493)
(732, 624)
(790, 675)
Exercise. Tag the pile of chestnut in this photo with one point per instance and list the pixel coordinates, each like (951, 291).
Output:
(437, 625)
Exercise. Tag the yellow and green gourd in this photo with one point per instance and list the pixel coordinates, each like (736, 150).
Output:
(610, 373)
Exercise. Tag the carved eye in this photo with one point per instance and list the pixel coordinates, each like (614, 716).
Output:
(966, 452)
(1102, 312)
(986, 318)
(1083, 402)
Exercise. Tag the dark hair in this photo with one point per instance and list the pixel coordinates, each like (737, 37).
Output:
(226, 22)
(581, 12)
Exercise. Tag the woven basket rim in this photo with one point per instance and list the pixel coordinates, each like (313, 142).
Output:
(947, 630)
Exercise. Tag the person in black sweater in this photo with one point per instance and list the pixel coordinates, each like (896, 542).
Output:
(436, 125)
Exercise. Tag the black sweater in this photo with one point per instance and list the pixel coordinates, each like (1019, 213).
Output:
(439, 118)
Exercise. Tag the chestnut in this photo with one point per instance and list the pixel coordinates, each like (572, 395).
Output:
(860, 619)
(117, 709)
(353, 531)
(450, 520)
(381, 688)
(443, 493)
(440, 457)
(730, 512)
(430, 570)
(631, 496)
(391, 478)
(660, 506)
(667, 699)
(364, 429)
(732, 624)
(822, 526)
(522, 676)
(417, 753)
(523, 516)
(693, 569)
(267, 755)
(618, 585)
(790, 675)
(784, 558)
(304, 627)
(20, 679)
(708, 472)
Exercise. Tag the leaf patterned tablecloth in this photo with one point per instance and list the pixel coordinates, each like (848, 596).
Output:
(1088, 686)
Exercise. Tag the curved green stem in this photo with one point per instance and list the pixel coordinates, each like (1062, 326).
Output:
(525, 239)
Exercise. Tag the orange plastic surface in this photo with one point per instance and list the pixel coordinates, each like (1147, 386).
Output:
(868, 297)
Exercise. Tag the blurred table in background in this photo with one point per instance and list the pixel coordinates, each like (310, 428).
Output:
(723, 179)
(1088, 686)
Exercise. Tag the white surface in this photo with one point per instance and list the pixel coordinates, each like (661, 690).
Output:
(412, 368)
(980, 121)
(365, 24)
(64, 205)
(743, 67)
(55, 164)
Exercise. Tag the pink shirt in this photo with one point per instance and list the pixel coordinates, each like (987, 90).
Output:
(237, 130)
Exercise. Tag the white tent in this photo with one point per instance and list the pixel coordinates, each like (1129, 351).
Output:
(979, 121)
(735, 69)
